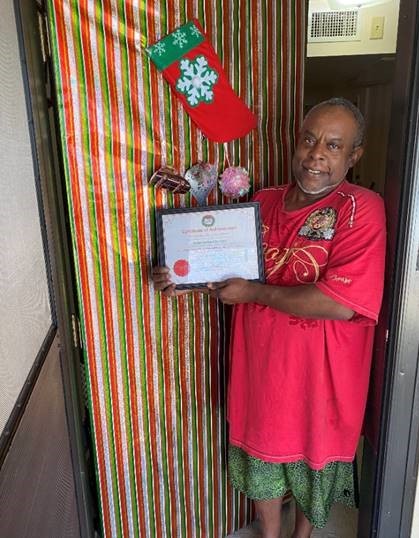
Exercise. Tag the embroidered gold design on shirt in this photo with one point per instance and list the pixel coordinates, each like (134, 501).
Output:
(264, 229)
(320, 224)
(302, 260)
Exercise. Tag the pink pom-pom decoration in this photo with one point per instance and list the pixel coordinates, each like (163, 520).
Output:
(234, 182)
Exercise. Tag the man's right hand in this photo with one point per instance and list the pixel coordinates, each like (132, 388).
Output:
(161, 281)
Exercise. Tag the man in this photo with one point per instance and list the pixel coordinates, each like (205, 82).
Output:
(302, 342)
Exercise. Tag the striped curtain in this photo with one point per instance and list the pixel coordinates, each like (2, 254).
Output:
(157, 367)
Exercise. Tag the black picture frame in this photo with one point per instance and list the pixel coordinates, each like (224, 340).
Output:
(161, 244)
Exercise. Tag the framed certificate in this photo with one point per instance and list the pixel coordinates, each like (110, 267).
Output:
(210, 244)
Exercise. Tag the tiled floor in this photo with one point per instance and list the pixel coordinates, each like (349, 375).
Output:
(342, 524)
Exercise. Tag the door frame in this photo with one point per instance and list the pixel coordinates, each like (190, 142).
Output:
(43, 122)
(388, 482)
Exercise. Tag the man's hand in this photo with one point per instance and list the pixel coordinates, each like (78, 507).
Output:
(161, 281)
(233, 291)
(305, 301)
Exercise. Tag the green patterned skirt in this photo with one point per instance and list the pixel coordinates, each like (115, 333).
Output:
(314, 491)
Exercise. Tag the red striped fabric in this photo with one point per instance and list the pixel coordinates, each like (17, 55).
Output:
(157, 368)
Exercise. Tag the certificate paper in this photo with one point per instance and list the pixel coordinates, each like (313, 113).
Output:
(211, 244)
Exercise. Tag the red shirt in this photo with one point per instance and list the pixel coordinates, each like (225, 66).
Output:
(298, 386)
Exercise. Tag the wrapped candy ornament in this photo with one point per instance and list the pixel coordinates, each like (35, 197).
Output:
(234, 182)
(167, 178)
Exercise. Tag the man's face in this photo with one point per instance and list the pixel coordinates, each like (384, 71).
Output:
(325, 150)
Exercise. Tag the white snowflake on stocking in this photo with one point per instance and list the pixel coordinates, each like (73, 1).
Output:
(179, 38)
(159, 48)
(195, 32)
(196, 80)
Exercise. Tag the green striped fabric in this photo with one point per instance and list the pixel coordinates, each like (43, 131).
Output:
(157, 368)
(166, 51)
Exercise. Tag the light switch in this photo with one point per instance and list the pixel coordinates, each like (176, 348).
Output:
(377, 28)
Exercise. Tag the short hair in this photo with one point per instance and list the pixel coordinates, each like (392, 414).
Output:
(350, 107)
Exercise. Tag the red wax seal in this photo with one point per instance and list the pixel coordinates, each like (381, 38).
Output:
(181, 267)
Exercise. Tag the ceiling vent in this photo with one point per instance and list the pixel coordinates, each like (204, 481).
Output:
(334, 26)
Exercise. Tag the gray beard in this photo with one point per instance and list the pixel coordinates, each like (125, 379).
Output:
(320, 191)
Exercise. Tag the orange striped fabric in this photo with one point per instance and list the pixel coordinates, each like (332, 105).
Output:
(157, 368)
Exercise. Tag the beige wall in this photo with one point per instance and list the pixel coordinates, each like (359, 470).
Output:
(415, 523)
(24, 303)
(388, 10)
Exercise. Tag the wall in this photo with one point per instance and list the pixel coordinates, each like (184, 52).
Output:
(415, 522)
(24, 301)
(389, 10)
(363, 73)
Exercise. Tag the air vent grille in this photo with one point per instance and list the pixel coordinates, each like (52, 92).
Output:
(334, 26)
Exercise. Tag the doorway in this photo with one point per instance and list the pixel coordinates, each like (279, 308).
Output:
(339, 63)
(382, 85)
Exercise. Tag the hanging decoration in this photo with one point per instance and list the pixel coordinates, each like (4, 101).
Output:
(190, 65)
(234, 182)
(167, 178)
(202, 178)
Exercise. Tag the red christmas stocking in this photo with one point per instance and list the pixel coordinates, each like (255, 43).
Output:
(189, 64)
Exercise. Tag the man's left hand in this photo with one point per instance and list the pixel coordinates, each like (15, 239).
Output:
(233, 291)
